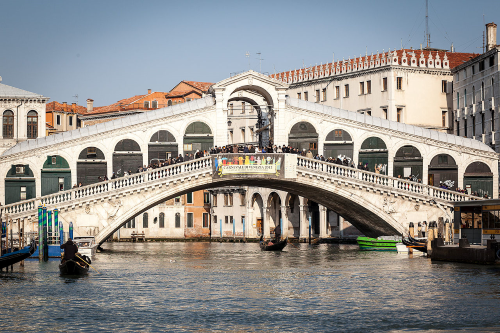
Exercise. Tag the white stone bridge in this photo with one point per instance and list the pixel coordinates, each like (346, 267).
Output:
(375, 202)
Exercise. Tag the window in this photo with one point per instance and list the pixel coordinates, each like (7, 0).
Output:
(473, 95)
(465, 127)
(205, 220)
(482, 123)
(473, 125)
(130, 223)
(206, 197)
(444, 84)
(384, 84)
(145, 220)
(443, 118)
(226, 199)
(23, 192)
(458, 127)
(399, 115)
(481, 65)
(317, 96)
(177, 200)
(188, 99)
(492, 61)
(54, 160)
(155, 104)
(473, 69)
(242, 199)
(230, 199)
(361, 88)
(399, 83)
(188, 147)
(368, 87)
(242, 135)
(346, 90)
(214, 200)
(19, 169)
(324, 94)
(215, 218)
(337, 92)
(58, 119)
(189, 220)
(70, 120)
(313, 146)
(169, 103)
(162, 220)
(146, 104)
(242, 219)
(458, 100)
(482, 91)
(243, 107)
(230, 219)
(465, 97)
(299, 95)
(177, 220)
(493, 120)
(384, 111)
(61, 183)
(226, 219)
(306, 96)
(189, 198)
(338, 135)
(8, 124)
(32, 125)
(231, 108)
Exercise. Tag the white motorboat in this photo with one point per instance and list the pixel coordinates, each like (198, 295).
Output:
(86, 246)
(401, 248)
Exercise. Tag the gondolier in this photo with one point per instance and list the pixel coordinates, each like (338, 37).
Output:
(70, 249)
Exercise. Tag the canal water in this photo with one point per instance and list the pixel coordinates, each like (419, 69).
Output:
(210, 287)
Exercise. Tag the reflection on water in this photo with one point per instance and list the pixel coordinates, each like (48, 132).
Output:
(157, 287)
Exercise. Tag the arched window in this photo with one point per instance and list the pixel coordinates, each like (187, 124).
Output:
(162, 220)
(473, 95)
(8, 124)
(154, 105)
(482, 91)
(177, 220)
(32, 125)
(145, 220)
(169, 103)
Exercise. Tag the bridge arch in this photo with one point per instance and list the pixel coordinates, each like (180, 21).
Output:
(304, 135)
(257, 204)
(91, 164)
(197, 135)
(127, 156)
(162, 143)
(20, 182)
(374, 153)
(478, 179)
(292, 204)
(408, 162)
(55, 175)
(274, 202)
(337, 142)
(443, 170)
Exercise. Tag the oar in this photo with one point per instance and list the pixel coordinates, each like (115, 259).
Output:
(87, 263)
(295, 246)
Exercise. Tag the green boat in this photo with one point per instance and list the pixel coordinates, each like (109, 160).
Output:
(383, 243)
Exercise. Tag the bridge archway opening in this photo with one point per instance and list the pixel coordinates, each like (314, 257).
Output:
(55, 175)
(274, 204)
(408, 162)
(91, 166)
(19, 184)
(127, 157)
(313, 209)
(374, 154)
(162, 146)
(443, 170)
(258, 213)
(197, 137)
(338, 143)
(304, 136)
(247, 120)
(478, 179)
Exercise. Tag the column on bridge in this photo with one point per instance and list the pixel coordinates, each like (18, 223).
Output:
(303, 222)
(266, 229)
(248, 220)
(322, 222)
(284, 220)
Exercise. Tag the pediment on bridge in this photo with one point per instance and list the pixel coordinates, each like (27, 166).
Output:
(249, 78)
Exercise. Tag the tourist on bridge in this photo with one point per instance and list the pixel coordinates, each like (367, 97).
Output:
(70, 249)
(309, 154)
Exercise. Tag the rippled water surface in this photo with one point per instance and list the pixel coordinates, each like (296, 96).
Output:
(204, 287)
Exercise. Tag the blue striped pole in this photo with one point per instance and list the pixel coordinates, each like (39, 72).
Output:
(40, 232)
(243, 220)
(234, 227)
(221, 228)
(49, 225)
(281, 226)
(56, 222)
(45, 245)
(61, 234)
(71, 230)
(309, 229)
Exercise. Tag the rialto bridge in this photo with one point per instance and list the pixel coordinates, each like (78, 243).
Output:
(44, 170)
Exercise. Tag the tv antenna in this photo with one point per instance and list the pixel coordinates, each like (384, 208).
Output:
(260, 62)
(248, 56)
(76, 97)
(427, 34)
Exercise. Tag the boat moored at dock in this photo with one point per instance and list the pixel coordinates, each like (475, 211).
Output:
(383, 243)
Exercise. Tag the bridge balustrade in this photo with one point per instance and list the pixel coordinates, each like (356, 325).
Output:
(382, 180)
(109, 186)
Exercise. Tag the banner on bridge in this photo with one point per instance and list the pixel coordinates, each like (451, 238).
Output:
(254, 165)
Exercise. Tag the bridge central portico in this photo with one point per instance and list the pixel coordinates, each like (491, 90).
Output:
(377, 202)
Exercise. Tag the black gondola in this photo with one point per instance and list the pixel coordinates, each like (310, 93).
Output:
(412, 243)
(278, 246)
(74, 266)
(14, 257)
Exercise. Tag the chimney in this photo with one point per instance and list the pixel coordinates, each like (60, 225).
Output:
(491, 36)
(90, 105)
(65, 106)
(73, 107)
(149, 91)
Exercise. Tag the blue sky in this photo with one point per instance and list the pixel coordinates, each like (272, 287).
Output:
(110, 50)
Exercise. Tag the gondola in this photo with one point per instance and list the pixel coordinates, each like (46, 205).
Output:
(278, 246)
(14, 257)
(412, 243)
(74, 266)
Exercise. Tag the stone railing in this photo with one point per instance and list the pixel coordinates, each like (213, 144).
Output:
(379, 180)
(102, 188)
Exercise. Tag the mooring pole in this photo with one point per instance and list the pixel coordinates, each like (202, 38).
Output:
(21, 239)
(40, 233)
(71, 230)
(309, 229)
(49, 224)
(45, 240)
(11, 242)
(56, 225)
(221, 229)
(243, 220)
(234, 229)
(61, 234)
